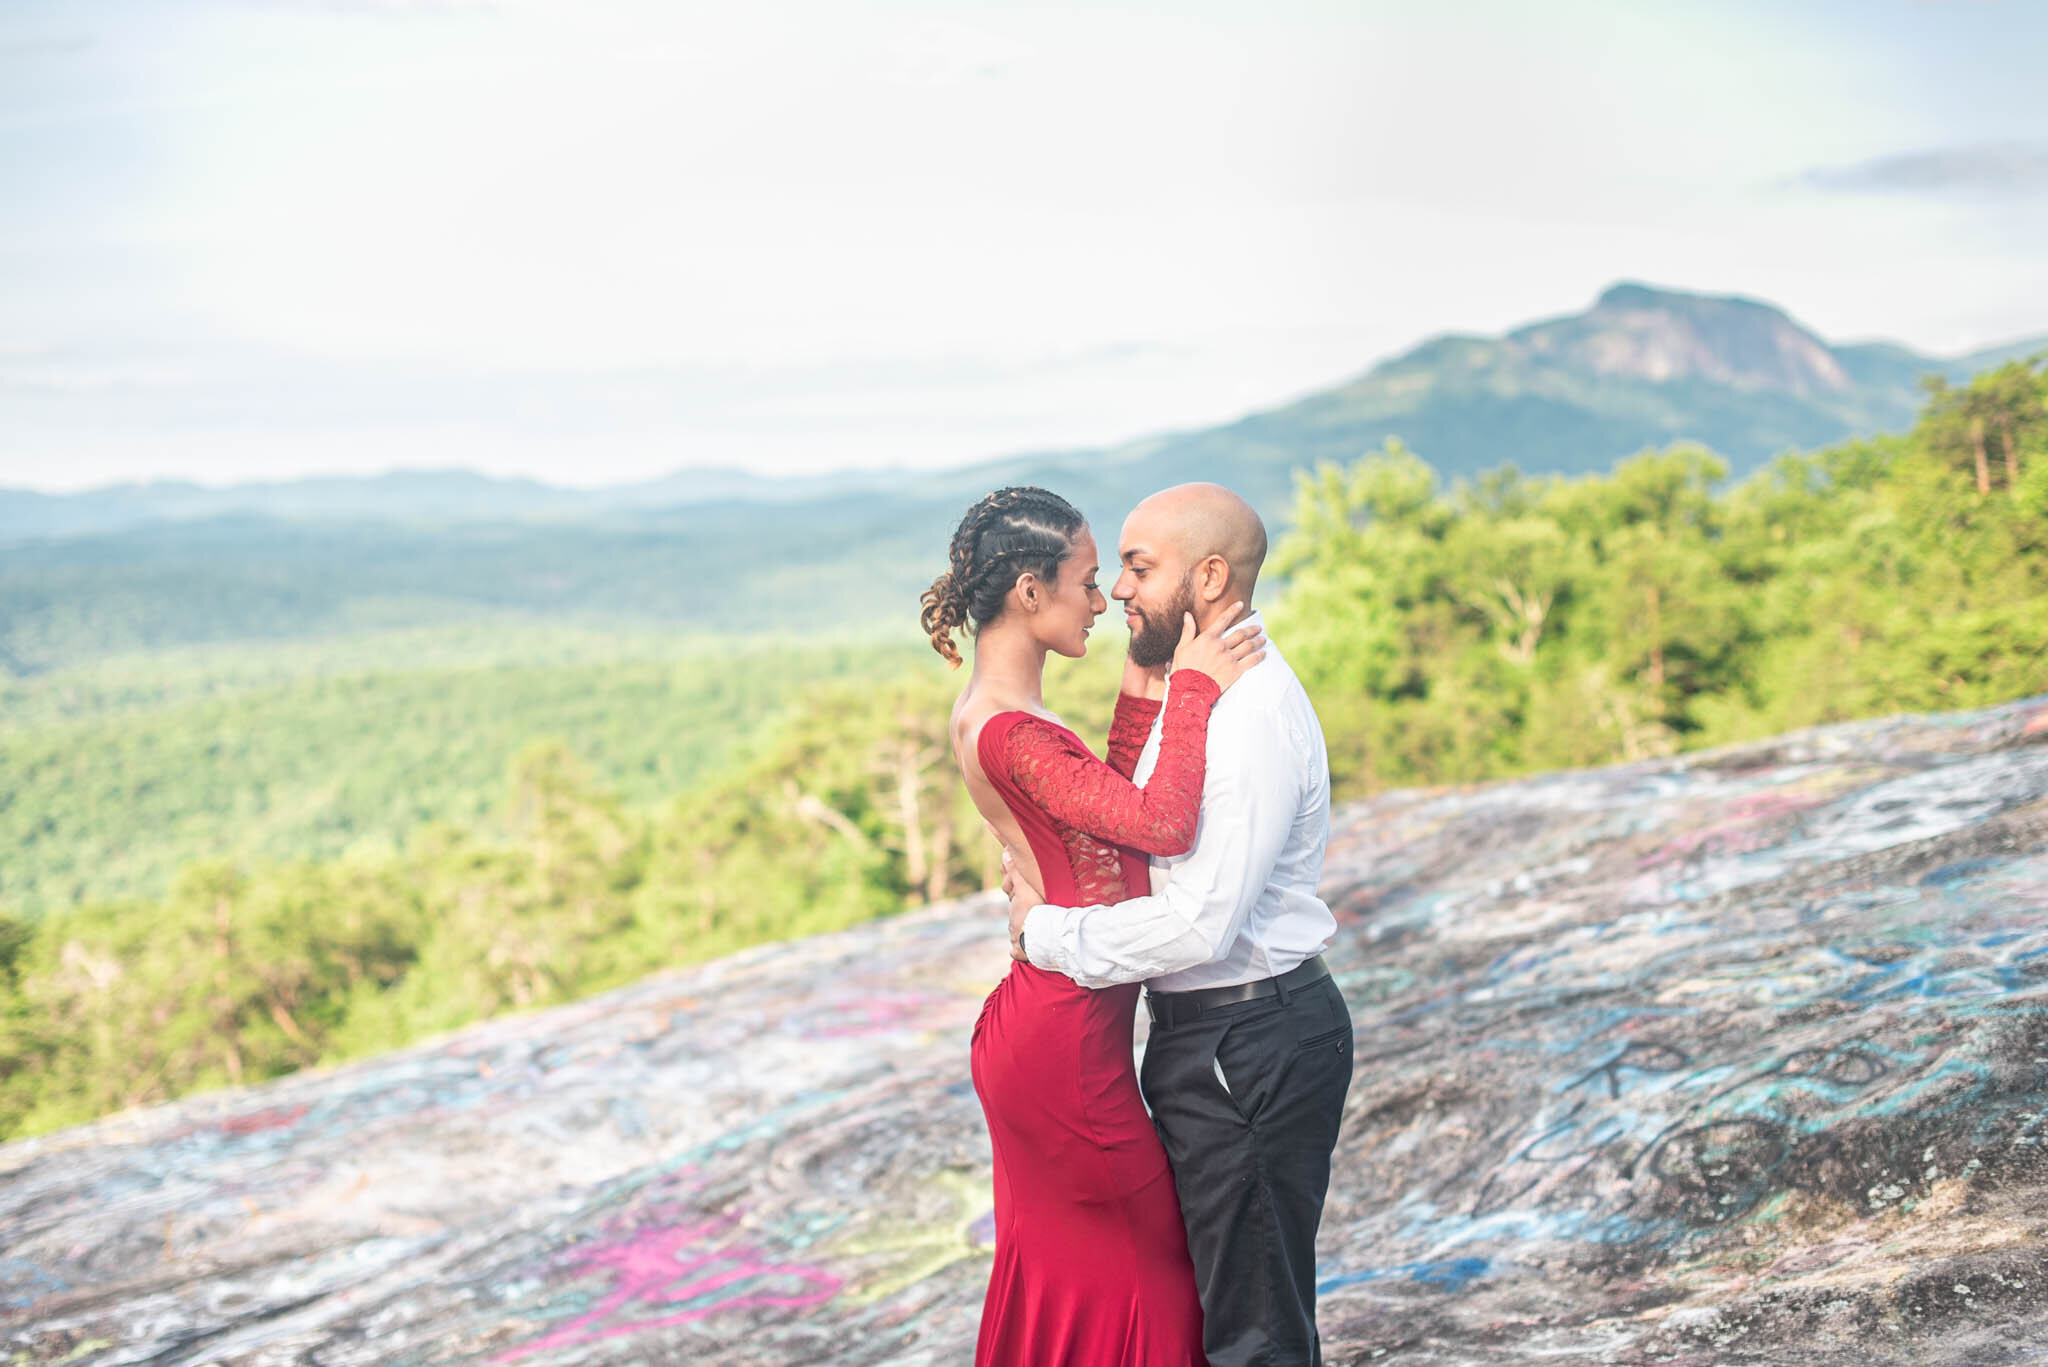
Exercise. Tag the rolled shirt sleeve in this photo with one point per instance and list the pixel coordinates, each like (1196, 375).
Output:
(1249, 803)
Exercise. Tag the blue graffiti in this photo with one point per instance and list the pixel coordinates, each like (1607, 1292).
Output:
(1452, 1275)
(22, 1283)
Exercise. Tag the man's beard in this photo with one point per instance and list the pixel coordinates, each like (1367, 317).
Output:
(1155, 638)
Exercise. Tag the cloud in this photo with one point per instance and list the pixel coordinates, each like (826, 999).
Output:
(2005, 169)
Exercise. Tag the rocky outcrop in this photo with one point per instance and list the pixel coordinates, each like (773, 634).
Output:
(1661, 335)
(1736, 1057)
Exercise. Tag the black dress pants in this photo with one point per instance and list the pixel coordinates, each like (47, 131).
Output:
(1247, 1098)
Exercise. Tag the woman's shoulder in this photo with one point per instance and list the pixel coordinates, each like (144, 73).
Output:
(972, 720)
(1013, 729)
(972, 711)
(1011, 720)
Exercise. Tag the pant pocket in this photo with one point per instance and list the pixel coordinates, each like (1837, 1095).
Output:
(1325, 1038)
(1235, 1090)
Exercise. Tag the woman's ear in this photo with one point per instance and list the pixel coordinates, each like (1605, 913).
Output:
(1030, 593)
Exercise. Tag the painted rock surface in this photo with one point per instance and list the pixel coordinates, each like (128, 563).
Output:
(1739, 1057)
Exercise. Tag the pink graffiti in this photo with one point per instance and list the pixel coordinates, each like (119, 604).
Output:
(274, 1119)
(255, 1122)
(1740, 830)
(654, 1268)
(850, 1020)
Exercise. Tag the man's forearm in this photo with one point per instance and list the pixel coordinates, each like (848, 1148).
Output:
(1103, 946)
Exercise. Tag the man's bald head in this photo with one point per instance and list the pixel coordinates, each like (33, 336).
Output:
(1199, 521)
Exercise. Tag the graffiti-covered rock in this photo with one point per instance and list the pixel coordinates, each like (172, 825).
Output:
(1736, 1057)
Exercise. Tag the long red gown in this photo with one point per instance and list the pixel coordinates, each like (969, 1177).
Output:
(1091, 1257)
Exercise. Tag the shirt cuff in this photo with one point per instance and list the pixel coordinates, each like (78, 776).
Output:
(1042, 938)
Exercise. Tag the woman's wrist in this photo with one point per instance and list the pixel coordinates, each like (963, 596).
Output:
(1141, 682)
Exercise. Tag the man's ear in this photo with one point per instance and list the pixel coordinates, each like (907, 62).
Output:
(1212, 578)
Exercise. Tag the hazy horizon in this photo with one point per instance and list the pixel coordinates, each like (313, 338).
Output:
(563, 480)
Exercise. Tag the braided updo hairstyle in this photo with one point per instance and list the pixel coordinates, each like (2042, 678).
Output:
(1009, 532)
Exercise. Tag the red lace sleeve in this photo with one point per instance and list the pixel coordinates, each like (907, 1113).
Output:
(1129, 729)
(1080, 791)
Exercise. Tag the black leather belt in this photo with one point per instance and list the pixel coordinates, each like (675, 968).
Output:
(1178, 1008)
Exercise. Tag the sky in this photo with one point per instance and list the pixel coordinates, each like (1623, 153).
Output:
(597, 241)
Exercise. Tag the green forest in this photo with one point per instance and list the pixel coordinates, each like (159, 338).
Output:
(1509, 625)
(119, 771)
(435, 825)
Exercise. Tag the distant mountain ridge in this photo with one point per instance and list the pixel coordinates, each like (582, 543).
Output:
(143, 567)
(1642, 367)
(400, 496)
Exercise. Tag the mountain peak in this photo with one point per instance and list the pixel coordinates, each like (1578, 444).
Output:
(1641, 332)
(1627, 295)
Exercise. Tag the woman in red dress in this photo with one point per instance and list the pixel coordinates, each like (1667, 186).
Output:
(1091, 1260)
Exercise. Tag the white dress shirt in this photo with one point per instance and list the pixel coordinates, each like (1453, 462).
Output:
(1240, 905)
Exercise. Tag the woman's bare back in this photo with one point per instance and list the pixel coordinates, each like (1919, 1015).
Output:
(972, 711)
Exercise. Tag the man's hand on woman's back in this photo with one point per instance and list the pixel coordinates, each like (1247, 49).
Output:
(1023, 897)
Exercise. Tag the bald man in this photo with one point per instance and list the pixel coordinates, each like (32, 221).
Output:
(1250, 1052)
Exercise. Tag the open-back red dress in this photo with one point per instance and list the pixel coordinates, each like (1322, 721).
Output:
(1091, 1258)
